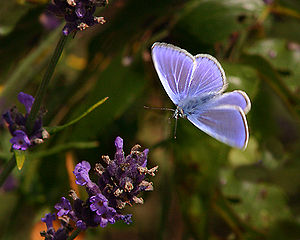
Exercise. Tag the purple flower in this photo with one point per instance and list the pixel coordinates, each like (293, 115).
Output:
(79, 14)
(126, 218)
(22, 138)
(124, 177)
(81, 225)
(20, 141)
(27, 100)
(48, 219)
(64, 207)
(106, 217)
(99, 204)
(81, 172)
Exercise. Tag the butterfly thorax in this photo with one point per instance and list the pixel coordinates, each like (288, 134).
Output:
(193, 105)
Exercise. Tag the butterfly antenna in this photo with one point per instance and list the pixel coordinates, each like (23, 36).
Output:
(157, 108)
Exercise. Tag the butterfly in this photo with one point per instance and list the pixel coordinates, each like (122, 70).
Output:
(196, 86)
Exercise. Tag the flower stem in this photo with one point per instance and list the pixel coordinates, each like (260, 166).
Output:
(45, 82)
(9, 166)
(74, 234)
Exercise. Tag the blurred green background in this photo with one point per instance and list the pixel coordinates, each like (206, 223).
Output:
(204, 189)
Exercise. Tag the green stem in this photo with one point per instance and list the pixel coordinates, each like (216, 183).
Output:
(45, 82)
(74, 234)
(9, 166)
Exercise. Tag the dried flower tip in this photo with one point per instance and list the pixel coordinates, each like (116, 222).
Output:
(147, 186)
(82, 26)
(73, 194)
(145, 170)
(135, 148)
(137, 200)
(64, 219)
(106, 159)
(100, 20)
(99, 169)
(120, 204)
(152, 171)
(45, 134)
(118, 192)
(71, 3)
(37, 140)
(109, 188)
(128, 186)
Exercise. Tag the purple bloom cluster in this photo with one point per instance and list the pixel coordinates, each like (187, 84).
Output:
(77, 13)
(118, 184)
(22, 138)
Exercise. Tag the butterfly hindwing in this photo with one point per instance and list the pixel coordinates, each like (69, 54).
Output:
(227, 123)
(236, 98)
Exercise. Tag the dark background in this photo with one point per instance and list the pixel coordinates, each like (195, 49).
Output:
(204, 189)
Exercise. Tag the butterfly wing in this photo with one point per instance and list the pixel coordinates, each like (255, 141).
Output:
(226, 123)
(208, 76)
(183, 75)
(236, 98)
(174, 67)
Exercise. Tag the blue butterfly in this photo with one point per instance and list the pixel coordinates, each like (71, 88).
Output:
(195, 85)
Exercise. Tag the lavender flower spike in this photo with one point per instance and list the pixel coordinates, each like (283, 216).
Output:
(22, 138)
(118, 184)
(79, 14)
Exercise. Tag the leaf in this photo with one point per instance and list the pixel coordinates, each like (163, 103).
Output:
(214, 21)
(283, 55)
(20, 158)
(273, 79)
(258, 203)
(52, 130)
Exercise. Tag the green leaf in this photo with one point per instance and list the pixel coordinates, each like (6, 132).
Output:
(214, 21)
(283, 55)
(20, 158)
(273, 79)
(52, 130)
(255, 202)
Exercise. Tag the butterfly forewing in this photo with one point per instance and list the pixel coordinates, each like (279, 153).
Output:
(208, 76)
(174, 67)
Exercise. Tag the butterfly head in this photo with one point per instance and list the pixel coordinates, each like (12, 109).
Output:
(179, 113)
